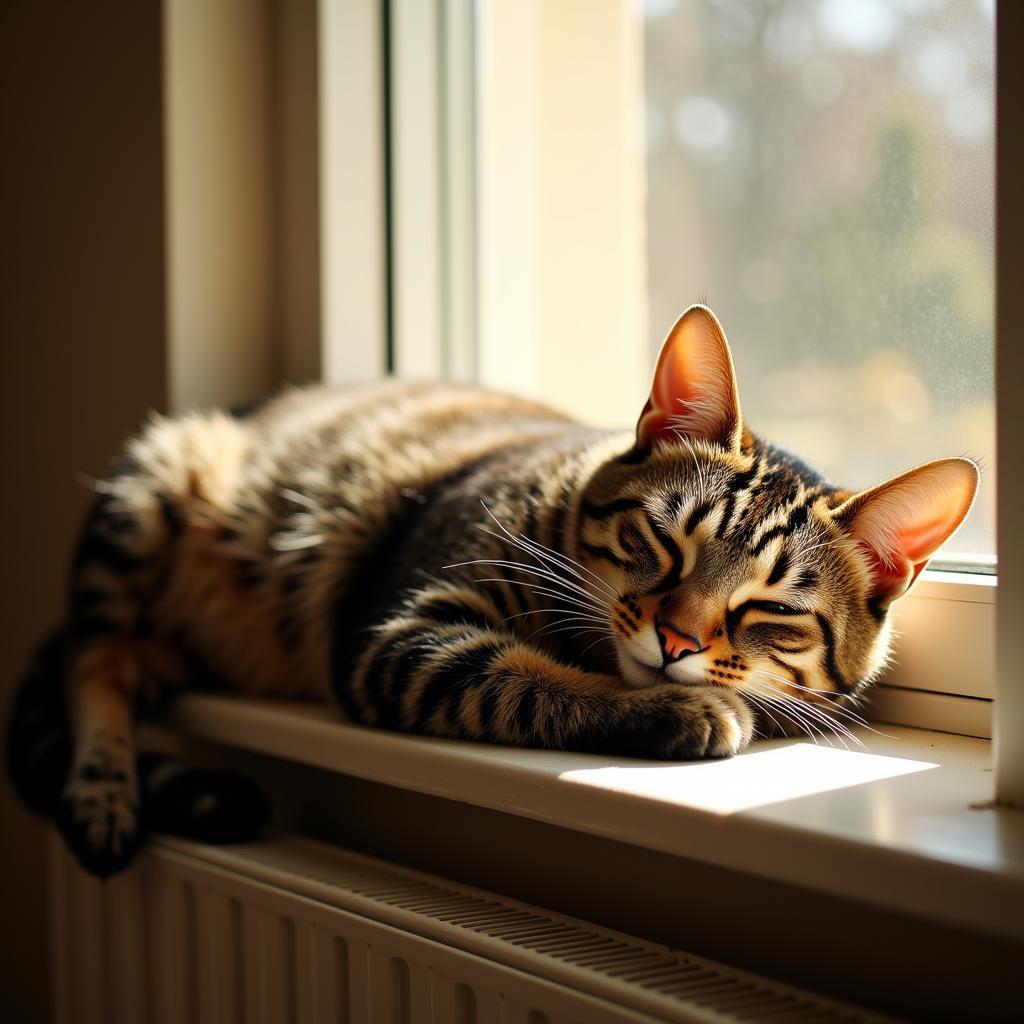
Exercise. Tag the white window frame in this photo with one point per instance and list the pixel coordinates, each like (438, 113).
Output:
(433, 222)
(353, 196)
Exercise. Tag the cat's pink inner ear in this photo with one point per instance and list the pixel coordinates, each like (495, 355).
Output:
(904, 521)
(694, 391)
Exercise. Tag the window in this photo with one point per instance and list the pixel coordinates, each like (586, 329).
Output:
(523, 150)
(822, 171)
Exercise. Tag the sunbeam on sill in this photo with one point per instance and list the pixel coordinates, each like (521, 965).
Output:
(750, 780)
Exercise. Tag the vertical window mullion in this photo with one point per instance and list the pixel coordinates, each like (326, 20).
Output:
(353, 230)
(415, 123)
(458, 79)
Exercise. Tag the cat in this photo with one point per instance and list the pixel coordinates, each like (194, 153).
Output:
(442, 560)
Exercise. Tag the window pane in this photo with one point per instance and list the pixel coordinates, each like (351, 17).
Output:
(821, 172)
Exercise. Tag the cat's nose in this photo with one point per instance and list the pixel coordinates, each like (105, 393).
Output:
(675, 643)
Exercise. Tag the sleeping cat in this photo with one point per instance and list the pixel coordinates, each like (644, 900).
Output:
(453, 562)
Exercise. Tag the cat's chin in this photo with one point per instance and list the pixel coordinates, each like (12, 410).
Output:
(638, 673)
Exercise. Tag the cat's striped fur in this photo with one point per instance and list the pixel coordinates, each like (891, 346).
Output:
(453, 562)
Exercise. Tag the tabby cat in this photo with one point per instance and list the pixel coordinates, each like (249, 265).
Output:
(453, 562)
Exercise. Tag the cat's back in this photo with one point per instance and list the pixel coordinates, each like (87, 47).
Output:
(261, 516)
(376, 421)
(351, 446)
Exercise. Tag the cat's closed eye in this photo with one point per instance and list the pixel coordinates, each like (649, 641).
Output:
(775, 608)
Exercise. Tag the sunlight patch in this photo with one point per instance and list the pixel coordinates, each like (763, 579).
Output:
(749, 780)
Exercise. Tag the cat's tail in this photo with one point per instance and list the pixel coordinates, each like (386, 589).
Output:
(211, 806)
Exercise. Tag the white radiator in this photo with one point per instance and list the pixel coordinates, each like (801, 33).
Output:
(291, 930)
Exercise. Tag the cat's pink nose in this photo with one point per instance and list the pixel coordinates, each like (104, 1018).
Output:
(676, 644)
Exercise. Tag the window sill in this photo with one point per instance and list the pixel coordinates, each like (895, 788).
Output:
(908, 827)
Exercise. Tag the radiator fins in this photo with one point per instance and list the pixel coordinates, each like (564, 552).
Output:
(294, 930)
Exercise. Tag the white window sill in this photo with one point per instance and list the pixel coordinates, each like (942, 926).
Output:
(907, 826)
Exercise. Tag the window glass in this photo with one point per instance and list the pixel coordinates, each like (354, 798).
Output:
(821, 173)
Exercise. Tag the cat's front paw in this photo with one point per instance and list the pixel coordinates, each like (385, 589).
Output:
(712, 721)
(98, 815)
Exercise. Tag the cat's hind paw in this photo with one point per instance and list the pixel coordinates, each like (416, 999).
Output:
(99, 818)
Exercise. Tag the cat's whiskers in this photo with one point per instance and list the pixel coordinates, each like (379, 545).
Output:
(538, 551)
(557, 594)
(597, 600)
(546, 554)
(787, 703)
(543, 551)
(767, 674)
(826, 695)
(831, 701)
(822, 724)
(553, 611)
(595, 612)
(553, 572)
(813, 711)
(761, 702)
(610, 638)
(565, 625)
(753, 698)
(854, 719)
(832, 727)
(829, 695)
(549, 577)
(796, 714)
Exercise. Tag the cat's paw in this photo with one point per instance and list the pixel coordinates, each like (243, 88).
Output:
(711, 721)
(98, 815)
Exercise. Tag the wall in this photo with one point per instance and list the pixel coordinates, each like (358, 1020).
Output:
(81, 341)
(160, 250)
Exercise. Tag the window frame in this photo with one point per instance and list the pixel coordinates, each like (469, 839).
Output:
(353, 192)
(1009, 721)
(949, 689)
(432, 230)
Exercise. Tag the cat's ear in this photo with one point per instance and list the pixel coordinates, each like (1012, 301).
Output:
(900, 524)
(694, 391)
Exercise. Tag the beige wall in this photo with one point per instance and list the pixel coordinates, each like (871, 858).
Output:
(81, 341)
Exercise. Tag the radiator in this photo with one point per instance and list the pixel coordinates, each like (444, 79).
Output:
(291, 930)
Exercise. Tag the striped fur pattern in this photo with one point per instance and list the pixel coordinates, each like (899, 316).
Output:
(452, 562)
